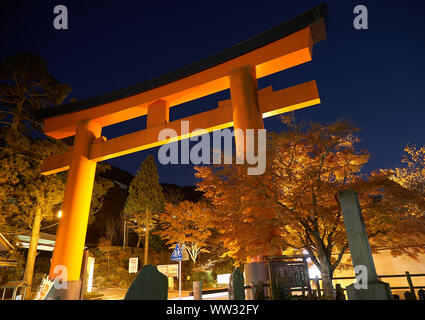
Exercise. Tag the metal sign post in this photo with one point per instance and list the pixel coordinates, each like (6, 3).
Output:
(180, 279)
(178, 256)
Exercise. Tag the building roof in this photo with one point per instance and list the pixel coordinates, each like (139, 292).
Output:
(46, 242)
(6, 249)
(5, 245)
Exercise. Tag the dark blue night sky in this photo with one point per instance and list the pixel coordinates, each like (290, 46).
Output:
(374, 77)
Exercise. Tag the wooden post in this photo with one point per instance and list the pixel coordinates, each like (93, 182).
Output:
(309, 292)
(412, 288)
(317, 282)
(197, 290)
(83, 276)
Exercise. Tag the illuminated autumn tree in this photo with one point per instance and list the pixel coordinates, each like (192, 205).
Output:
(188, 223)
(145, 201)
(294, 204)
(394, 214)
(27, 197)
(412, 174)
(402, 201)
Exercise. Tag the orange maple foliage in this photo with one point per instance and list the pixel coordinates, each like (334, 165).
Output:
(412, 175)
(187, 223)
(294, 204)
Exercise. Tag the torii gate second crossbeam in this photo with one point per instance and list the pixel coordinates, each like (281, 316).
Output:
(236, 68)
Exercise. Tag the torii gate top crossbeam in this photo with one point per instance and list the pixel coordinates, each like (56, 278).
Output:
(282, 47)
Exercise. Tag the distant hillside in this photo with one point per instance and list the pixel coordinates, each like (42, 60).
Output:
(108, 222)
(118, 175)
(123, 178)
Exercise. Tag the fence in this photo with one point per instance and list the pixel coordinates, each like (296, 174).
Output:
(407, 275)
(210, 291)
(319, 290)
(16, 287)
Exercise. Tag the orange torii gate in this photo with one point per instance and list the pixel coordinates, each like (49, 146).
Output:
(237, 68)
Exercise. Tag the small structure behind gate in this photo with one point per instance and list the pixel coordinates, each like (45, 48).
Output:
(287, 273)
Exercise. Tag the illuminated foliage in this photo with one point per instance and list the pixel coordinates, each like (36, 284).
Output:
(188, 223)
(294, 204)
(412, 175)
(28, 198)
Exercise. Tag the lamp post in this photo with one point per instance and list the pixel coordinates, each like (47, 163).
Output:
(124, 229)
(125, 235)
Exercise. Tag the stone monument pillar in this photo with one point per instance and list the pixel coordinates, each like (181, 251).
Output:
(236, 286)
(361, 254)
(150, 284)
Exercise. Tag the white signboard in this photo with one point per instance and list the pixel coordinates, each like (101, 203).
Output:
(45, 287)
(133, 263)
(90, 269)
(170, 270)
(223, 278)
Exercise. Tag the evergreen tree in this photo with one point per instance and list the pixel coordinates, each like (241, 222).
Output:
(145, 201)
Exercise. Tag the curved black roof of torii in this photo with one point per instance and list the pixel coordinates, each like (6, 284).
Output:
(313, 18)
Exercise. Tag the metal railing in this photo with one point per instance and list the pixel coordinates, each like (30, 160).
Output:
(319, 290)
(210, 291)
(407, 275)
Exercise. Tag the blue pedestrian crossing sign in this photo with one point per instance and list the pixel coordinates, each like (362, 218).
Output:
(177, 254)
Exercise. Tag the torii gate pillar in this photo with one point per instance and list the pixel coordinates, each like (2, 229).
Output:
(246, 111)
(71, 234)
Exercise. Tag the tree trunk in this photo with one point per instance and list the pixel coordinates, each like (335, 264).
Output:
(32, 250)
(325, 266)
(107, 254)
(328, 288)
(16, 117)
(139, 239)
(147, 237)
(146, 246)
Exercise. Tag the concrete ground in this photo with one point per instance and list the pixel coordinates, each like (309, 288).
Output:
(119, 294)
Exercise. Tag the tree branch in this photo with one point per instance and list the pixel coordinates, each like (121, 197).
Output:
(340, 255)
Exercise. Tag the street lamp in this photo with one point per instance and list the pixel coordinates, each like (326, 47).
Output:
(60, 214)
